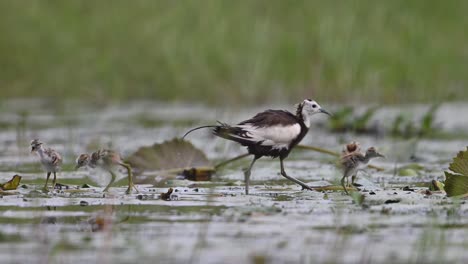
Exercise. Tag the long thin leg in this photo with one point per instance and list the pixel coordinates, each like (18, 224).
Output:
(130, 178)
(247, 174)
(55, 180)
(47, 181)
(111, 182)
(304, 186)
(353, 179)
(344, 186)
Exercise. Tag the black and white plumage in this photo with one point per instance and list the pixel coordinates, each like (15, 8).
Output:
(50, 159)
(272, 133)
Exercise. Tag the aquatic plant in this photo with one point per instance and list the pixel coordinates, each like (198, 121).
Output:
(172, 157)
(345, 120)
(456, 182)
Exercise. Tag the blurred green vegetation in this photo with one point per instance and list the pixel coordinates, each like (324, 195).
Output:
(235, 51)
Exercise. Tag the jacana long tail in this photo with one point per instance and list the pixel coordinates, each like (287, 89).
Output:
(193, 129)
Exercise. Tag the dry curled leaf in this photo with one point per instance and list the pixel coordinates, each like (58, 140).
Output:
(11, 184)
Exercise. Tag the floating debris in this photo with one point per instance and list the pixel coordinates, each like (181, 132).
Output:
(390, 201)
(167, 195)
(408, 189)
(59, 186)
(437, 186)
(142, 197)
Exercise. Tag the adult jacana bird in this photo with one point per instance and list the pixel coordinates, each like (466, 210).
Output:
(272, 133)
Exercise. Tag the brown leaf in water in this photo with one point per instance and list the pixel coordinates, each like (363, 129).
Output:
(167, 195)
(11, 184)
(198, 174)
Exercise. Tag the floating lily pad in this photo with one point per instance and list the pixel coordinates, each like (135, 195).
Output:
(460, 163)
(456, 182)
(358, 198)
(176, 156)
(407, 172)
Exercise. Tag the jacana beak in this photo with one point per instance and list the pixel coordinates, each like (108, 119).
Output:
(325, 112)
(77, 166)
(381, 155)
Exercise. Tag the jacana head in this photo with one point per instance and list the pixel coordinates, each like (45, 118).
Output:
(35, 145)
(82, 161)
(372, 153)
(310, 107)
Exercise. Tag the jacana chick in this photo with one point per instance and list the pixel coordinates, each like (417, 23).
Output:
(349, 148)
(272, 133)
(356, 161)
(50, 159)
(107, 160)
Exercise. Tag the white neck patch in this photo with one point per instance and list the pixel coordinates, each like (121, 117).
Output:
(306, 118)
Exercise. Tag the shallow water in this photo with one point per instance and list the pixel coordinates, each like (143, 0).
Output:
(214, 222)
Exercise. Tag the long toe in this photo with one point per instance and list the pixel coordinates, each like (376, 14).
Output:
(344, 188)
(128, 191)
(132, 186)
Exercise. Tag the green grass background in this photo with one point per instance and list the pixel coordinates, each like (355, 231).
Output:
(239, 52)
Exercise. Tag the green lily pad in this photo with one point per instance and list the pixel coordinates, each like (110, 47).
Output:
(173, 157)
(407, 172)
(456, 182)
(460, 163)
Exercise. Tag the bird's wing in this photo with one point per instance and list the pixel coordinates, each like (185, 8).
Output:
(271, 118)
(274, 128)
(271, 135)
(350, 160)
(55, 157)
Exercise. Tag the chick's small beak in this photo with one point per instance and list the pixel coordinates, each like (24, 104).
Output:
(381, 155)
(77, 166)
(325, 112)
